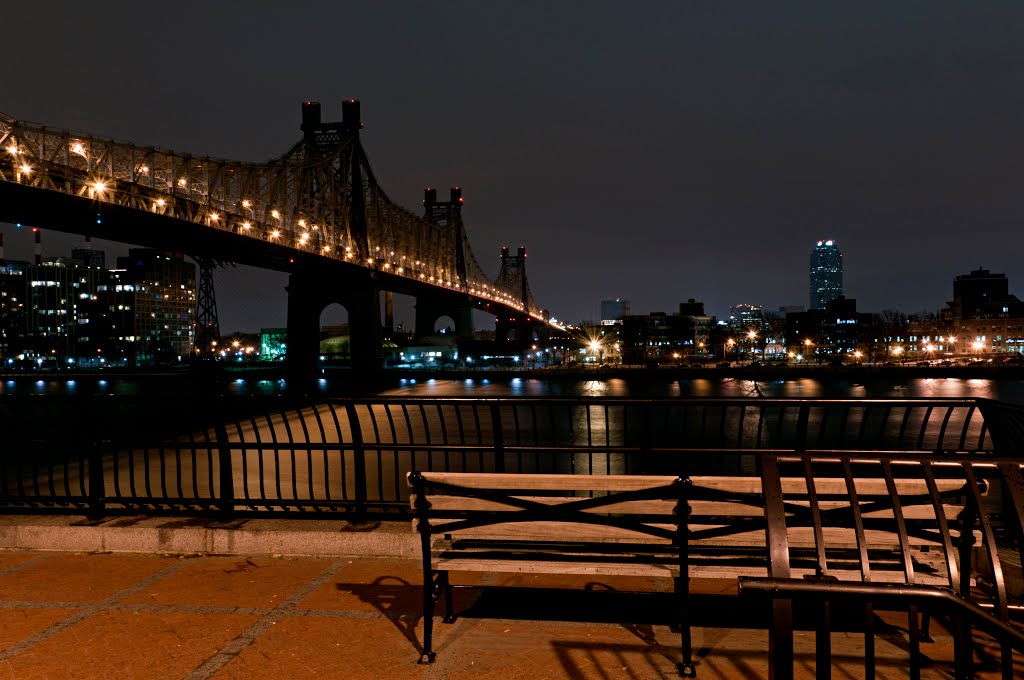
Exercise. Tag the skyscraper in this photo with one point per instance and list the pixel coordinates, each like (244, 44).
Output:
(826, 273)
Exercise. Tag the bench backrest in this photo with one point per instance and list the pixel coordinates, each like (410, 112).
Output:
(553, 507)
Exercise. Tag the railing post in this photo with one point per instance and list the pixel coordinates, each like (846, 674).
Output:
(780, 633)
(97, 483)
(963, 644)
(358, 461)
(498, 437)
(803, 415)
(226, 498)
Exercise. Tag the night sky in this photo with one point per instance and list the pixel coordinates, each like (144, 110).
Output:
(651, 151)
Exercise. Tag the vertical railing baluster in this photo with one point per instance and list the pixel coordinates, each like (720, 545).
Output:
(97, 480)
(903, 428)
(498, 437)
(967, 424)
(803, 414)
(989, 541)
(924, 427)
(865, 568)
(225, 499)
(942, 430)
(908, 568)
(358, 460)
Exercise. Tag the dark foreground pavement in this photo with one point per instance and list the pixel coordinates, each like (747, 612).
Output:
(118, 615)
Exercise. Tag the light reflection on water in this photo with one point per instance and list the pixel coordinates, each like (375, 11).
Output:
(806, 388)
(483, 387)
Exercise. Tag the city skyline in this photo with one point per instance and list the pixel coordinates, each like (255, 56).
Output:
(656, 155)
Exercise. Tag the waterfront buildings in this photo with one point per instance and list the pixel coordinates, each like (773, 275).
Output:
(826, 275)
(613, 311)
(660, 338)
(63, 310)
(73, 311)
(160, 304)
(744, 318)
(837, 330)
(983, 315)
(12, 305)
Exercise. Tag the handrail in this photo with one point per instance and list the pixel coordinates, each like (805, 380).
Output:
(890, 593)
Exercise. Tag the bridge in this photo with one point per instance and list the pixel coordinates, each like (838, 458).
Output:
(316, 212)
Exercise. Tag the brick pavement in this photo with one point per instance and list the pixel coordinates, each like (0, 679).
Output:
(102, 615)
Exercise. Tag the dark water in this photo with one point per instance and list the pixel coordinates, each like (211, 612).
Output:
(1007, 390)
(1011, 390)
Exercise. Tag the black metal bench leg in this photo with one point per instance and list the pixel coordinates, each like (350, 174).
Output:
(686, 668)
(449, 605)
(429, 597)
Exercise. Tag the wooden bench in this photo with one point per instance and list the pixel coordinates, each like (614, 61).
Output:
(554, 524)
(700, 527)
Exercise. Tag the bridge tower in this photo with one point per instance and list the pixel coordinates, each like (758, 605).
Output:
(448, 214)
(207, 337)
(522, 326)
(333, 165)
(432, 306)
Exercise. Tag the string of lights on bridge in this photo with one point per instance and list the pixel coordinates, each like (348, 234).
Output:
(141, 187)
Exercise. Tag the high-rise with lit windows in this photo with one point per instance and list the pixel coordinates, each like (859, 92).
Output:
(826, 273)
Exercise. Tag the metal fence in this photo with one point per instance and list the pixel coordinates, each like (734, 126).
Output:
(117, 455)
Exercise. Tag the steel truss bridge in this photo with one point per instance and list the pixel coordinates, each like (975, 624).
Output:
(316, 207)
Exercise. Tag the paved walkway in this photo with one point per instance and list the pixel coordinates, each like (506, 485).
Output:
(104, 615)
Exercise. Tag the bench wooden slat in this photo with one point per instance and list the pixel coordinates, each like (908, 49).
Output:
(469, 564)
(496, 480)
(552, 531)
(826, 486)
(698, 508)
(799, 537)
(467, 504)
(541, 567)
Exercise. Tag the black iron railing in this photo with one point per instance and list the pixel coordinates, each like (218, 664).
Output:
(262, 455)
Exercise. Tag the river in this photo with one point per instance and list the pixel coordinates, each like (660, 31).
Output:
(643, 385)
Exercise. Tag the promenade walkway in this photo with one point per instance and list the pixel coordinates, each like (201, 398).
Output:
(165, 616)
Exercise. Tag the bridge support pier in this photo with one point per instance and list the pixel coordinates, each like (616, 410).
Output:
(430, 308)
(307, 297)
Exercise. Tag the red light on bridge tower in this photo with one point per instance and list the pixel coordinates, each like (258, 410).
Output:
(429, 196)
(350, 119)
(456, 196)
(310, 117)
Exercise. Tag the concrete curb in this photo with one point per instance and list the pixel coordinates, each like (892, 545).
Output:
(205, 536)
